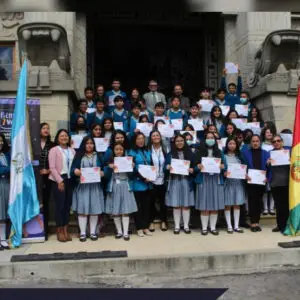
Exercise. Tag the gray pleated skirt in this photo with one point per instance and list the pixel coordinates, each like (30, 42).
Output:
(210, 194)
(4, 198)
(234, 192)
(179, 193)
(88, 199)
(120, 201)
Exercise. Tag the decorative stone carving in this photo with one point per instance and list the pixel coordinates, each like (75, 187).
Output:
(47, 50)
(9, 22)
(279, 53)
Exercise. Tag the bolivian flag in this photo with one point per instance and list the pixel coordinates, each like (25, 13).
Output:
(293, 225)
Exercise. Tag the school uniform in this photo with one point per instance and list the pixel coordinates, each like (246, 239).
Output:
(111, 95)
(219, 125)
(232, 99)
(4, 184)
(200, 134)
(179, 114)
(218, 102)
(96, 118)
(132, 126)
(121, 116)
(149, 114)
(91, 104)
(88, 198)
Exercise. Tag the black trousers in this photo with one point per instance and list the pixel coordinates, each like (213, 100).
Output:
(63, 202)
(46, 193)
(255, 195)
(281, 199)
(158, 193)
(142, 216)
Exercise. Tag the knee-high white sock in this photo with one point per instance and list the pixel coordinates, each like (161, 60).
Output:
(265, 199)
(82, 221)
(186, 218)
(204, 221)
(125, 222)
(176, 216)
(213, 221)
(272, 204)
(93, 224)
(228, 218)
(236, 215)
(117, 221)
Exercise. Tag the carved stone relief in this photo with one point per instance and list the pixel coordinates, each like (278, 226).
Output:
(9, 23)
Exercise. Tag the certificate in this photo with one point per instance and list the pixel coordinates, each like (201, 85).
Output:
(178, 124)
(242, 110)
(76, 140)
(148, 172)
(257, 176)
(255, 127)
(280, 157)
(287, 139)
(118, 125)
(267, 147)
(90, 175)
(123, 164)
(211, 165)
(145, 128)
(225, 109)
(206, 105)
(192, 133)
(223, 142)
(220, 146)
(90, 110)
(180, 166)
(111, 101)
(197, 124)
(164, 118)
(231, 68)
(101, 144)
(236, 171)
(240, 123)
(166, 130)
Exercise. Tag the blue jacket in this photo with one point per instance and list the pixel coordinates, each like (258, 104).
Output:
(140, 158)
(131, 126)
(181, 114)
(111, 93)
(149, 114)
(247, 153)
(121, 118)
(199, 174)
(5, 169)
(232, 99)
(219, 103)
(93, 119)
(221, 130)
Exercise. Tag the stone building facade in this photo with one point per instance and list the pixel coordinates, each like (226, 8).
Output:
(60, 82)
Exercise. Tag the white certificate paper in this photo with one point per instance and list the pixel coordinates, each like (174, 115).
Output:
(267, 147)
(280, 157)
(90, 175)
(164, 118)
(123, 164)
(242, 110)
(178, 124)
(222, 143)
(166, 130)
(225, 109)
(148, 172)
(90, 110)
(180, 166)
(236, 171)
(255, 127)
(76, 140)
(231, 68)
(145, 128)
(197, 124)
(257, 176)
(111, 101)
(118, 125)
(192, 133)
(101, 144)
(240, 123)
(206, 105)
(211, 165)
(287, 139)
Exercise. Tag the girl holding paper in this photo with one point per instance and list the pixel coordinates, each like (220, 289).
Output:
(180, 190)
(217, 119)
(107, 128)
(119, 114)
(175, 112)
(120, 200)
(166, 141)
(88, 199)
(141, 186)
(234, 189)
(254, 116)
(209, 186)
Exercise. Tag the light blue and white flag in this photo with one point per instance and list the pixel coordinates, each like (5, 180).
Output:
(23, 200)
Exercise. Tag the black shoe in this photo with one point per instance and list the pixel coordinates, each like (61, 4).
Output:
(214, 232)
(253, 229)
(258, 228)
(265, 213)
(276, 229)
(94, 237)
(118, 236)
(165, 227)
(272, 213)
(126, 237)
(187, 231)
(230, 231)
(204, 232)
(176, 231)
(82, 238)
(238, 230)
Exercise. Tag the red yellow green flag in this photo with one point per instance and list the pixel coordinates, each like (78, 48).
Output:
(293, 225)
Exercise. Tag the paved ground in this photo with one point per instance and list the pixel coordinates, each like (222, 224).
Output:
(280, 285)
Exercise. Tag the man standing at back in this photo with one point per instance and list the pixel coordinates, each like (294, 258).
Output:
(185, 102)
(153, 96)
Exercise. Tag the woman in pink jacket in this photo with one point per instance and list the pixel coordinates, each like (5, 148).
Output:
(60, 161)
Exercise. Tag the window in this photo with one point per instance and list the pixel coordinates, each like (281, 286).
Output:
(7, 61)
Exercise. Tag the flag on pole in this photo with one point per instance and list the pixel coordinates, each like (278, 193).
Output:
(23, 201)
(293, 225)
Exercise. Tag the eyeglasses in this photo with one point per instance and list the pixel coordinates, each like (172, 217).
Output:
(276, 141)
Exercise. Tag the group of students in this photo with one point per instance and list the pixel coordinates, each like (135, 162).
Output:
(123, 194)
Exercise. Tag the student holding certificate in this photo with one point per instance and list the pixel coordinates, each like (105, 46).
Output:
(256, 158)
(280, 187)
(194, 116)
(166, 141)
(180, 192)
(209, 186)
(120, 201)
(158, 154)
(141, 185)
(107, 128)
(254, 116)
(217, 119)
(88, 198)
(175, 112)
(234, 189)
